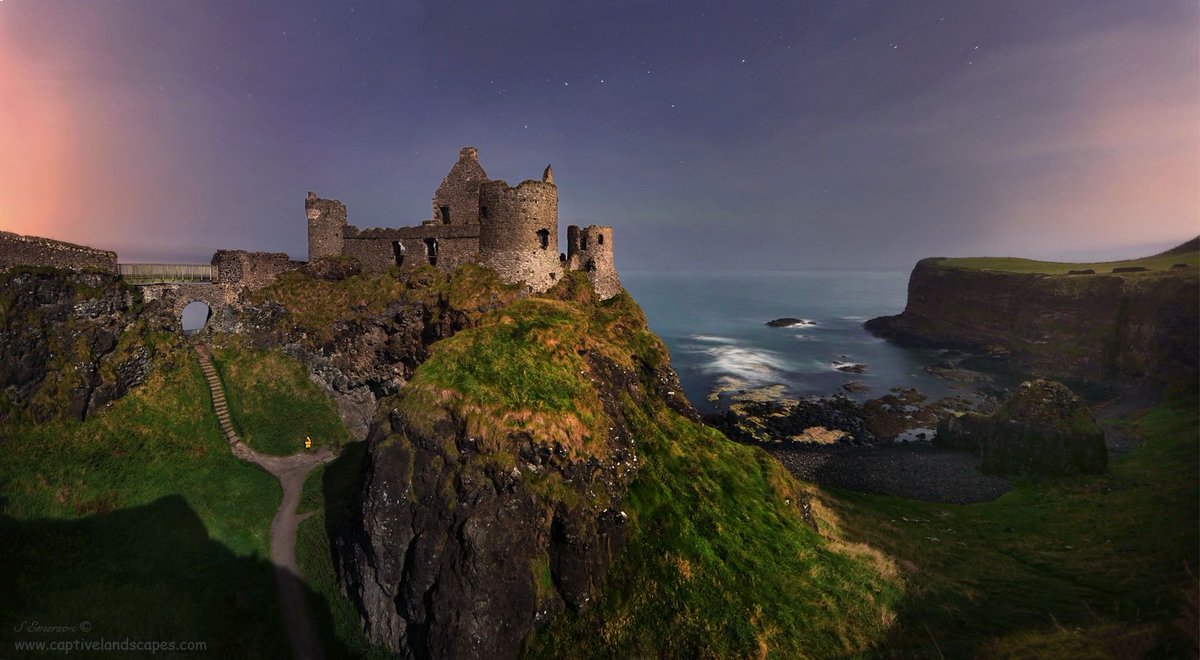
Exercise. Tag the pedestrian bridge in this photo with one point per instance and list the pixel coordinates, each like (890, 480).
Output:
(143, 274)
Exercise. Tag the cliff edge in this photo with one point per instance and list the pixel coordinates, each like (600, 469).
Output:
(1134, 319)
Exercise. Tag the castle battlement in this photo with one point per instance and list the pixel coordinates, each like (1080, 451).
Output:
(510, 229)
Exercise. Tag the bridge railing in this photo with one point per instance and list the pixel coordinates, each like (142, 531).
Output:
(165, 273)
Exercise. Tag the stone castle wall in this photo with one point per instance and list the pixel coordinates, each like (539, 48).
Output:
(456, 201)
(590, 249)
(410, 247)
(326, 223)
(519, 240)
(18, 250)
(512, 230)
(250, 270)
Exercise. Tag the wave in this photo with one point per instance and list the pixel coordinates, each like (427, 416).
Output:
(712, 339)
(753, 365)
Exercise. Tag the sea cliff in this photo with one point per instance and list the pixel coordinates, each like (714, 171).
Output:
(1047, 319)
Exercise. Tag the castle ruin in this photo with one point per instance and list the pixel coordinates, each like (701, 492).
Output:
(512, 230)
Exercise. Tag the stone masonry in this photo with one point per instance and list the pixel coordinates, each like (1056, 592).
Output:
(512, 230)
(18, 250)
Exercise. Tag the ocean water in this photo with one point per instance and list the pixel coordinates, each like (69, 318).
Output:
(714, 326)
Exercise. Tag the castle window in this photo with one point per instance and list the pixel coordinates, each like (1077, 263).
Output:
(544, 237)
(445, 210)
(583, 242)
(398, 252)
(600, 239)
(483, 213)
(431, 251)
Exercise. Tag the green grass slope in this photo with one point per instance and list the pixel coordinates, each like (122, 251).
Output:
(273, 404)
(720, 560)
(1087, 566)
(140, 521)
(1156, 265)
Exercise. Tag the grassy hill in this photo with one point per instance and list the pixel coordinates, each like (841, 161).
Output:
(140, 522)
(1186, 254)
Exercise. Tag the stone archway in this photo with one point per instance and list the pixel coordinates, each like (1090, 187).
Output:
(195, 317)
(179, 296)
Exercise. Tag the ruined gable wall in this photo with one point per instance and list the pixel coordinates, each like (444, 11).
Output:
(459, 191)
(326, 222)
(18, 250)
(509, 240)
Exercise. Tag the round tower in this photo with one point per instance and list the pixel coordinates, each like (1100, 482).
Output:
(519, 237)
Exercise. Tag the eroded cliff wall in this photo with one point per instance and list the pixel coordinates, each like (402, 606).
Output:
(1095, 327)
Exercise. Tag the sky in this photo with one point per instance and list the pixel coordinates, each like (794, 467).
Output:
(711, 136)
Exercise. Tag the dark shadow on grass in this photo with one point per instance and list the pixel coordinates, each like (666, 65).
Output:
(149, 573)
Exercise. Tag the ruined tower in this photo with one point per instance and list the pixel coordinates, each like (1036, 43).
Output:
(326, 224)
(519, 237)
(590, 249)
(456, 201)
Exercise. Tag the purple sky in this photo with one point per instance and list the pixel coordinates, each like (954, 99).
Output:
(762, 135)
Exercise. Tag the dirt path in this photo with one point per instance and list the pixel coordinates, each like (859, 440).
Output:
(291, 471)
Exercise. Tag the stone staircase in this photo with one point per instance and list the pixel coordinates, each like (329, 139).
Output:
(220, 405)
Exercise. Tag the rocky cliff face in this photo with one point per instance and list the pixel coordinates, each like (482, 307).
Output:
(1091, 327)
(72, 341)
(492, 496)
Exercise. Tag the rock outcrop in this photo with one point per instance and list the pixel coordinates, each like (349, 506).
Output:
(1042, 429)
(1094, 327)
(72, 341)
(485, 511)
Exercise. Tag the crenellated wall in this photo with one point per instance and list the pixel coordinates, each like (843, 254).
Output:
(18, 250)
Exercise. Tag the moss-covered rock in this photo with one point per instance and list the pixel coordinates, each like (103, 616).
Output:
(1043, 429)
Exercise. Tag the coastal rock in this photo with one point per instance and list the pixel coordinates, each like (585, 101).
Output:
(1098, 327)
(758, 419)
(789, 322)
(465, 537)
(72, 342)
(1044, 429)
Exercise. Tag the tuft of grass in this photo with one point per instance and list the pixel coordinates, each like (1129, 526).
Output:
(272, 402)
(519, 371)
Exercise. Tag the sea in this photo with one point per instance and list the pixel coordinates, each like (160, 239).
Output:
(715, 327)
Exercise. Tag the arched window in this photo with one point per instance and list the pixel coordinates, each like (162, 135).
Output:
(544, 238)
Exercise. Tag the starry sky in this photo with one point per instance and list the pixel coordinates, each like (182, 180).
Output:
(721, 135)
